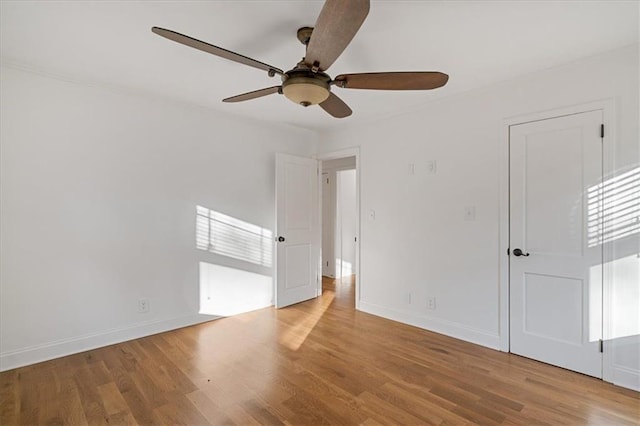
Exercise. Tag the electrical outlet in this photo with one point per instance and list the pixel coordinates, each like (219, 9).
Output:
(143, 306)
(431, 303)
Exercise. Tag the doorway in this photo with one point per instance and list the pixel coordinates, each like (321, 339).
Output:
(555, 268)
(340, 224)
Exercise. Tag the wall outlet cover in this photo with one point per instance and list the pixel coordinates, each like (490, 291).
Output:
(143, 306)
(431, 303)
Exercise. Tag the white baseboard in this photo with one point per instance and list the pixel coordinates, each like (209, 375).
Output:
(34, 354)
(626, 377)
(448, 328)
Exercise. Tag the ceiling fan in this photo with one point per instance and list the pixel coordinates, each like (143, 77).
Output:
(308, 83)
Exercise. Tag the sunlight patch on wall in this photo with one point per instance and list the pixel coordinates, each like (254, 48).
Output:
(624, 297)
(227, 291)
(594, 298)
(343, 268)
(225, 235)
(614, 208)
(614, 215)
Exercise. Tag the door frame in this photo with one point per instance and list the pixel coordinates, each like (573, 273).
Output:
(333, 155)
(607, 106)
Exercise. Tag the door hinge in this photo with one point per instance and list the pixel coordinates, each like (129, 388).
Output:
(508, 252)
(602, 130)
(601, 346)
(355, 239)
(327, 263)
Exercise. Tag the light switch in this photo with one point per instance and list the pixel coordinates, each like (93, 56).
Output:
(372, 214)
(431, 167)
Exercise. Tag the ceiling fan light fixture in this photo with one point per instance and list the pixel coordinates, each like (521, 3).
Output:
(307, 83)
(305, 90)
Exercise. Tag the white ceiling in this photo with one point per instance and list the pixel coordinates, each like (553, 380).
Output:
(476, 42)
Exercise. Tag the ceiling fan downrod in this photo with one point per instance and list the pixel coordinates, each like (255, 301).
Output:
(304, 35)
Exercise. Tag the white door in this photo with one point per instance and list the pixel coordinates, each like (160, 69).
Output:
(297, 229)
(556, 280)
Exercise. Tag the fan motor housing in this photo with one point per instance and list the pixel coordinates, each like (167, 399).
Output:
(306, 87)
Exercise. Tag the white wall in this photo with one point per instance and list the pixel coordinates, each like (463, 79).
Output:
(99, 190)
(419, 244)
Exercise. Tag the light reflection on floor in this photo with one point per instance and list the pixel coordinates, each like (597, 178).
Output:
(295, 336)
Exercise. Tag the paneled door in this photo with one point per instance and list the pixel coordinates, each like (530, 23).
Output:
(297, 230)
(555, 268)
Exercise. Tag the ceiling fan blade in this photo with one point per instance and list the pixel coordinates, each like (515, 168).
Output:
(255, 94)
(337, 24)
(215, 50)
(336, 106)
(393, 80)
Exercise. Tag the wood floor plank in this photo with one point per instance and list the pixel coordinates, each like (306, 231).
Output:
(422, 405)
(10, 399)
(317, 362)
(263, 413)
(92, 405)
(386, 412)
(209, 409)
(337, 406)
(240, 417)
(29, 406)
(153, 395)
(304, 413)
(112, 399)
(309, 396)
(179, 411)
(68, 408)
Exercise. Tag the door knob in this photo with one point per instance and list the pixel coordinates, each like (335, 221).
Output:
(518, 252)
(280, 239)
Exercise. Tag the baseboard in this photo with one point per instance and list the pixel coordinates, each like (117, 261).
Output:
(626, 377)
(34, 354)
(448, 328)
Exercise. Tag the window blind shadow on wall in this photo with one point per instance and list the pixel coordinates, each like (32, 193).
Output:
(228, 236)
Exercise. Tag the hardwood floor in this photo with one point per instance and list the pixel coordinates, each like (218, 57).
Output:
(318, 362)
